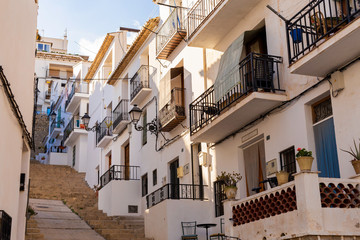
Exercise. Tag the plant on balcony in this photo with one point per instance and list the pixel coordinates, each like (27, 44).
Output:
(304, 159)
(230, 180)
(108, 125)
(356, 154)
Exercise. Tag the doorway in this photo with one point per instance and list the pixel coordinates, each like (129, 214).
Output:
(127, 162)
(174, 180)
(254, 161)
(325, 142)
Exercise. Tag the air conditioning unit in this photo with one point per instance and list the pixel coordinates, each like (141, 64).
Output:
(180, 172)
(202, 158)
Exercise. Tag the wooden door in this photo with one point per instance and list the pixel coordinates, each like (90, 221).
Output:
(174, 180)
(127, 162)
(109, 161)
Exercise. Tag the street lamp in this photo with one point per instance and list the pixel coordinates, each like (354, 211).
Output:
(135, 114)
(86, 120)
(53, 116)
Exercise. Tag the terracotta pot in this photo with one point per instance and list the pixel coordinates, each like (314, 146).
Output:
(230, 192)
(305, 163)
(356, 165)
(282, 177)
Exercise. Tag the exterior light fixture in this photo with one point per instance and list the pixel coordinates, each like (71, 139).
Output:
(53, 116)
(86, 120)
(135, 114)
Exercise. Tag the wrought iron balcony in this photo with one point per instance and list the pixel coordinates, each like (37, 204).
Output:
(104, 131)
(175, 191)
(139, 84)
(173, 112)
(54, 124)
(199, 13)
(315, 24)
(120, 114)
(120, 172)
(58, 149)
(77, 87)
(256, 73)
(5, 225)
(75, 123)
(170, 34)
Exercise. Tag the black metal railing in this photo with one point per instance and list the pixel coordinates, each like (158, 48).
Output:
(77, 87)
(120, 172)
(54, 124)
(58, 149)
(316, 22)
(139, 81)
(76, 122)
(5, 225)
(175, 107)
(105, 128)
(174, 23)
(121, 112)
(199, 13)
(256, 72)
(175, 191)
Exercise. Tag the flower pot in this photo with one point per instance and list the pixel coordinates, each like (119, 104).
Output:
(282, 177)
(305, 163)
(356, 165)
(230, 192)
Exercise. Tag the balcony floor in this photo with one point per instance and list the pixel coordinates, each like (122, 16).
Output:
(75, 101)
(73, 136)
(237, 116)
(104, 141)
(173, 42)
(340, 48)
(142, 94)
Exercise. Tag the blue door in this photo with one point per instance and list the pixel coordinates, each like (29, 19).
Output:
(326, 150)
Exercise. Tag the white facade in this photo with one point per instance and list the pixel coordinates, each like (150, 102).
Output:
(18, 23)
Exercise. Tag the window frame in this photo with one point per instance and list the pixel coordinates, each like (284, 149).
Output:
(290, 166)
(144, 185)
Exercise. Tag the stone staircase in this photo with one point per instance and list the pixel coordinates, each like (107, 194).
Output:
(64, 183)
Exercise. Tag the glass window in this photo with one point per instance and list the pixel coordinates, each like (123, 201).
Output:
(144, 132)
(46, 48)
(287, 161)
(154, 177)
(144, 185)
(220, 196)
(40, 46)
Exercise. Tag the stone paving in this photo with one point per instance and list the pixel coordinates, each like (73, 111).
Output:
(57, 222)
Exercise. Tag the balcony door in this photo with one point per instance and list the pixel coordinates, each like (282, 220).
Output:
(174, 180)
(127, 162)
(254, 159)
(325, 142)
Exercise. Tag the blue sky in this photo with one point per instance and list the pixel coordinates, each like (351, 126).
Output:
(88, 21)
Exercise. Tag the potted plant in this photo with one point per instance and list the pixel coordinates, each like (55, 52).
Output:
(304, 159)
(230, 180)
(356, 154)
(282, 177)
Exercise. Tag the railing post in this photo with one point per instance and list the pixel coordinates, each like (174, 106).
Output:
(308, 201)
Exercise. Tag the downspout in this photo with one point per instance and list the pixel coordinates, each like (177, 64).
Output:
(205, 68)
(192, 170)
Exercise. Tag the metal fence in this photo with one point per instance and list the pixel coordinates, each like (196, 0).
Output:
(172, 24)
(105, 128)
(120, 172)
(174, 107)
(199, 13)
(257, 72)
(139, 81)
(121, 112)
(175, 191)
(76, 122)
(317, 21)
(5, 225)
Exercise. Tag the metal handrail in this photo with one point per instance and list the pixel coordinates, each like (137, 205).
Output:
(120, 172)
(174, 23)
(121, 112)
(316, 22)
(255, 72)
(76, 122)
(105, 128)
(175, 191)
(139, 81)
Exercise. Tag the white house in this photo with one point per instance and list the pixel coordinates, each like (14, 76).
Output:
(17, 47)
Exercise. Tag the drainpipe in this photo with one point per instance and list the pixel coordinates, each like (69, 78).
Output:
(192, 170)
(205, 68)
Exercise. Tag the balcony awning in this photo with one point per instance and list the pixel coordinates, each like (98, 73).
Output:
(228, 73)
